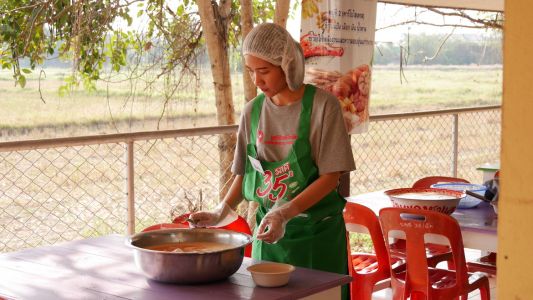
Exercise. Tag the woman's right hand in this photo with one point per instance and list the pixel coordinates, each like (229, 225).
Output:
(203, 219)
(221, 216)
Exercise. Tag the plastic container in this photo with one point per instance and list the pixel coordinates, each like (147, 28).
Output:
(468, 201)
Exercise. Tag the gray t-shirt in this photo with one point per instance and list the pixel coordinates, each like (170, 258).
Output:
(278, 129)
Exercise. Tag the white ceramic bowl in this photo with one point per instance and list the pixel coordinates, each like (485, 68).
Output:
(271, 274)
(468, 201)
(444, 201)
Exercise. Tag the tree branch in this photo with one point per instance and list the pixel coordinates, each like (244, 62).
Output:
(460, 13)
(440, 47)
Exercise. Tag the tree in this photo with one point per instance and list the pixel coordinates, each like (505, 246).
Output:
(449, 18)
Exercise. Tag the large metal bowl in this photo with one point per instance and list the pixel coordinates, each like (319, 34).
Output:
(192, 267)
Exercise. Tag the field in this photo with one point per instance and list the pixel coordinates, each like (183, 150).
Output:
(127, 106)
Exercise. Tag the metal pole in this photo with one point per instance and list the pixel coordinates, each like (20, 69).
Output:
(455, 138)
(130, 187)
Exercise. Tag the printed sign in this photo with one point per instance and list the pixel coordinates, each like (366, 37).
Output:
(337, 38)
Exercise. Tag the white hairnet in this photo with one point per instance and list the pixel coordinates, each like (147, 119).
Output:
(274, 44)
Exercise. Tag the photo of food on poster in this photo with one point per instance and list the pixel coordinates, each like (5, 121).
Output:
(337, 38)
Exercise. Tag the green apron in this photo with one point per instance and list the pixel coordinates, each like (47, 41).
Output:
(316, 238)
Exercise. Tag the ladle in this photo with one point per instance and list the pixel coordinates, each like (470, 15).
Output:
(478, 196)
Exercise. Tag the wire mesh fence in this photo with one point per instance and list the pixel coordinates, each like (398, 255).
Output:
(76, 188)
(397, 151)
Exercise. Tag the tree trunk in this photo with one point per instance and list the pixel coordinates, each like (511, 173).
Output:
(250, 91)
(282, 12)
(214, 19)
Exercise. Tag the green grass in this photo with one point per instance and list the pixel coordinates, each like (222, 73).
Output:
(425, 89)
(127, 102)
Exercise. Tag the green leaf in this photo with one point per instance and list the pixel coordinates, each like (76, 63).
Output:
(63, 90)
(22, 81)
(129, 19)
(27, 71)
(180, 10)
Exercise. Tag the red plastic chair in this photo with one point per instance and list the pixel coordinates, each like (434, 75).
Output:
(485, 264)
(426, 182)
(419, 280)
(434, 252)
(239, 225)
(368, 269)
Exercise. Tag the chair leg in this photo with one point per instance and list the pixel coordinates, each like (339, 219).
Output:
(484, 292)
(451, 264)
(361, 291)
(398, 293)
(418, 296)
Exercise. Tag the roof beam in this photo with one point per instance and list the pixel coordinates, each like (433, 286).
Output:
(488, 5)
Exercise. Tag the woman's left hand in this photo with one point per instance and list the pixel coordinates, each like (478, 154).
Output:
(272, 227)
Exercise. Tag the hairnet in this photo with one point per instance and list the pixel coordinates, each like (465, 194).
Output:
(274, 44)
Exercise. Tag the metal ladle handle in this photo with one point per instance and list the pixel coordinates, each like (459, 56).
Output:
(477, 196)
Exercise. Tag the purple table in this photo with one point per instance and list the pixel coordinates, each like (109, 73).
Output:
(478, 225)
(104, 268)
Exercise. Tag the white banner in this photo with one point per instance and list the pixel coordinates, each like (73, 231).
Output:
(337, 37)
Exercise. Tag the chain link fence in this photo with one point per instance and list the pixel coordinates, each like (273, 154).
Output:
(67, 189)
(398, 150)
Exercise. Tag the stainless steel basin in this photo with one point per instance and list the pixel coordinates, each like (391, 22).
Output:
(187, 268)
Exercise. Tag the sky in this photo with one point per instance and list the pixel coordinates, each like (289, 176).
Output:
(388, 14)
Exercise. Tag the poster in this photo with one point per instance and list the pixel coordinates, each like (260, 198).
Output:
(337, 37)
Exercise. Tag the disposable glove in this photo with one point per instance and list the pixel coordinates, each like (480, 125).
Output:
(221, 216)
(272, 227)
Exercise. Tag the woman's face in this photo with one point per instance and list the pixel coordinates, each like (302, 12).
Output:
(266, 76)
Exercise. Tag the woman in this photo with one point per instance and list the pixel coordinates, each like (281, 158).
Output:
(292, 147)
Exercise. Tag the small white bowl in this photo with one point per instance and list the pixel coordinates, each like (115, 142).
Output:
(271, 274)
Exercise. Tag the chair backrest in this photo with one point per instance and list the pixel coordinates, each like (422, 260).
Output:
(426, 182)
(361, 215)
(239, 225)
(416, 224)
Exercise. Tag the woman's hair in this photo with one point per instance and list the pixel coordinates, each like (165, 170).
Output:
(274, 44)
